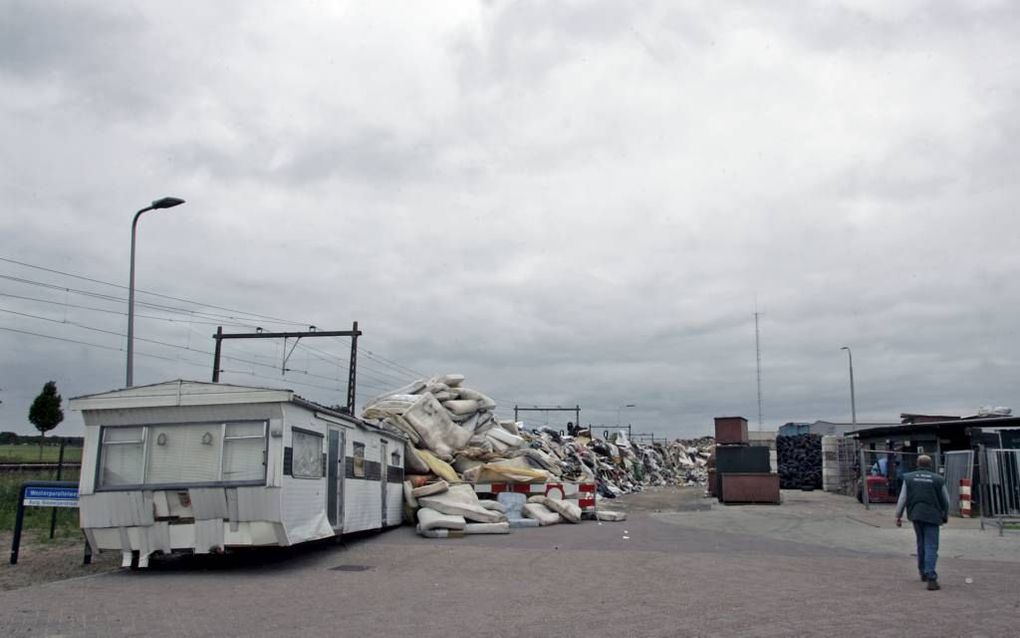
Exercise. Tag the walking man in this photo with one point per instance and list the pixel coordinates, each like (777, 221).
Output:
(926, 500)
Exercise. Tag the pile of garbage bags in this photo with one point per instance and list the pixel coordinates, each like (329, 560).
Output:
(455, 439)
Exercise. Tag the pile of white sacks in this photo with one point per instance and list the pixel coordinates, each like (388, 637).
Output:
(455, 440)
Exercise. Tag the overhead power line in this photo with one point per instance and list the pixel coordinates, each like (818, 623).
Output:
(148, 292)
(385, 372)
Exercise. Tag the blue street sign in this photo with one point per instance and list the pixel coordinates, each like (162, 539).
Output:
(51, 496)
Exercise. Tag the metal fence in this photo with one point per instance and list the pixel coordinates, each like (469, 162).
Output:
(959, 466)
(840, 465)
(1000, 487)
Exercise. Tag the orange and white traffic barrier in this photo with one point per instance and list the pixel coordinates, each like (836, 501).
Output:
(965, 498)
(581, 493)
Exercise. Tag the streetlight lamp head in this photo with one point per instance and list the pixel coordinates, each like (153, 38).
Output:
(630, 405)
(167, 202)
(845, 348)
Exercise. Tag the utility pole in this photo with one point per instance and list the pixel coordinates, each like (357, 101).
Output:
(853, 399)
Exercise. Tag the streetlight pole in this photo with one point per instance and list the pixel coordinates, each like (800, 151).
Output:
(853, 402)
(165, 202)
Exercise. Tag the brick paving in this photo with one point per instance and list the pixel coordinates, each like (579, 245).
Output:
(586, 580)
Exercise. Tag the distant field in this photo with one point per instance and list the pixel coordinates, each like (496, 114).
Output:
(30, 452)
(35, 517)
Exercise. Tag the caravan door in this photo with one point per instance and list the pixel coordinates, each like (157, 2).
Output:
(335, 479)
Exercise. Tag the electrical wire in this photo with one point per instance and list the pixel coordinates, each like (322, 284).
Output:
(66, 304)
(381, 370)
(154, 294)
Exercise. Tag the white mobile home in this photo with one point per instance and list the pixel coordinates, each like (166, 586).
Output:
(200, 467)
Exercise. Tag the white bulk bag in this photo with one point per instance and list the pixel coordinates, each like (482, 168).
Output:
(440, 533)
(487, 528)
(511, 426)
(438, 433)
(431, 519)
(431, 489)
(504, 437)
(460, 500)
(570, 511)
(461, 406)
(452, 380)
(492, 505)
(484, 402)
(541, 514)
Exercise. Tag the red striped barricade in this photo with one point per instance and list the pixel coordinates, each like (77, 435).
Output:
(965, 510)
(581, 493)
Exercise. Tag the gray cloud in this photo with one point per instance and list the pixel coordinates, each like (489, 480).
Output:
(569, 204)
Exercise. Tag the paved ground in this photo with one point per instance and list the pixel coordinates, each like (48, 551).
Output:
(42, 560)
(817, 565)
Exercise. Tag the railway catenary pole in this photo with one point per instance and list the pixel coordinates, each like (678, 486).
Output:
(576, 410)
(354, 333)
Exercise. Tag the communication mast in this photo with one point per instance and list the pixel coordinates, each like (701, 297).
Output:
(757, 354)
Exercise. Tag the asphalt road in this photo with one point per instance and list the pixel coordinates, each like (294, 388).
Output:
(674, 569)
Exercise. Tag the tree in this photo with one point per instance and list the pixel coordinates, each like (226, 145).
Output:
(45, 413)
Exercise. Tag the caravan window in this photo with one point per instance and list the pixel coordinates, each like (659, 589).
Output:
(244, 451)
(183, 454)
(121, 456)
(359, 460)
(307, 454)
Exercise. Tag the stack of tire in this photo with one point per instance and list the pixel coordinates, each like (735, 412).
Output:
(800, 461)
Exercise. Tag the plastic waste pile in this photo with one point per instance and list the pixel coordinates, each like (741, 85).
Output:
(455, 439)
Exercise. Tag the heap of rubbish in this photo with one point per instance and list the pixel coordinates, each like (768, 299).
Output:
(456, 441)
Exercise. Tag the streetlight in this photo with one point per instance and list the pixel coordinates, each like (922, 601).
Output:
(620, 409)
(165, 202)
(853, 403)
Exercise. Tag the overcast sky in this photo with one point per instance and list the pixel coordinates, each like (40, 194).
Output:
(570, 203)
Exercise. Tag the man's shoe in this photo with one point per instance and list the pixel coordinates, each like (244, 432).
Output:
(933, 585)
(924, 578)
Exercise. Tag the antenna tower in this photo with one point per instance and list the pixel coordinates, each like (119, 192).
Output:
(757, 354)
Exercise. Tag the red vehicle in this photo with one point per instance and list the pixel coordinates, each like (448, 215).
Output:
(879, 491)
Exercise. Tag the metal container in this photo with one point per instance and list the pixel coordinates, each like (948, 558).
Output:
(750, 488)
(740, 459)
(730, 429)
(711, 483)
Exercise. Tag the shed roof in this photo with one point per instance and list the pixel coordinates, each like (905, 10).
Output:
(953, 425)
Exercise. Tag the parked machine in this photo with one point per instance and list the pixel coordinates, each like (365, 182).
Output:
(880, 490)
(187, 466)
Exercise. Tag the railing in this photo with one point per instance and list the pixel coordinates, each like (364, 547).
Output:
(959, 467)
(1000, 487)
